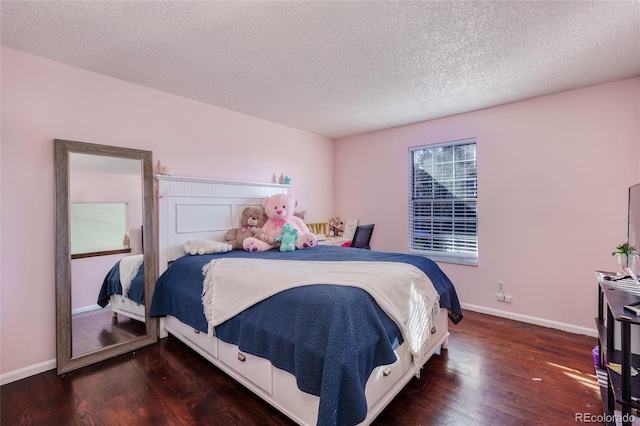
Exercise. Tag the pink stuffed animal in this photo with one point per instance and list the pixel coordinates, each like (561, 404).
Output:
(279, 210)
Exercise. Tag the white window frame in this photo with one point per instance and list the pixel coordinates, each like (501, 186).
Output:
(443, 221)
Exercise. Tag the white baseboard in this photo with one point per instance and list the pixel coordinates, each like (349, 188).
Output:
(86, 309)
(23, 373)
(532, 320)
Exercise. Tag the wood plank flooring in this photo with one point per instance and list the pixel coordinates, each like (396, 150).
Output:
(495, 372)
(97, 329)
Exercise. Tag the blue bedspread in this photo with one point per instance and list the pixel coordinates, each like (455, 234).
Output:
(329, 337)
(111, 285)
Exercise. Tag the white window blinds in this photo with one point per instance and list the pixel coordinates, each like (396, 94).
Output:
(443, 200)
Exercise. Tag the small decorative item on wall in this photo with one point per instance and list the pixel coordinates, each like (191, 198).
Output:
(626, 256)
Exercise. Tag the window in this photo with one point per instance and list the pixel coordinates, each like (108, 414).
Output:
(443, 199)
(99, 229)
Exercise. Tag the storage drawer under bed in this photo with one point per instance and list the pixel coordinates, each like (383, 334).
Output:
(253, 368)
(202, 340)
(127, 307)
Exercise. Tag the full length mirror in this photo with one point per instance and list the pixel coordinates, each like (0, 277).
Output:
(105, 258)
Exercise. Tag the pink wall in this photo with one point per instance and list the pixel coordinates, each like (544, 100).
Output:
(43, 100)
(87, 274)
(553, 174)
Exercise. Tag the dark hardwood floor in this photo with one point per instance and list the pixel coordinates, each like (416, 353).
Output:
(495, 372)
(97, 329)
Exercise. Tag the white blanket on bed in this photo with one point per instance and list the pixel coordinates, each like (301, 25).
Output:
(403, 291)
(129, 266)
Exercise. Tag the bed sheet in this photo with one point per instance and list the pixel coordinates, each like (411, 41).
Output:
(111, 285)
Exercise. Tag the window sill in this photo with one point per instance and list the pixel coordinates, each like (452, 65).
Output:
(99, 253)
(457, 260)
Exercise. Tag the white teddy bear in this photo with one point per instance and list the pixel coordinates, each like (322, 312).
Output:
(194, 247)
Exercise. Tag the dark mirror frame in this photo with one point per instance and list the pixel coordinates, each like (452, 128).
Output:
(65, 360)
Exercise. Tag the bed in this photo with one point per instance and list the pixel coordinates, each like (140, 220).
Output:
(346, 366)
(123, 288)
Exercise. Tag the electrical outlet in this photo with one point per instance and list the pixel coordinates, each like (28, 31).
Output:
(501, 286)
(507, 298)
(500, 297)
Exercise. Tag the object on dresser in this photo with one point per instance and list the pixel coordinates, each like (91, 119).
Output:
(251, 223)
(626, 254)
(632, 275)
(618, 369)
(336, 227)
(199, 247)
(633, 307)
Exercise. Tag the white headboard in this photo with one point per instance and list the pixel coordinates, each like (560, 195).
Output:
(205, 209)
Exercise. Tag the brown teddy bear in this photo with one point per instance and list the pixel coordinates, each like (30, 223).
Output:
(250, 226)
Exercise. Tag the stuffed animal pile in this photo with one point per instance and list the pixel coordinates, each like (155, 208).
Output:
(279, 209)
(250, 226)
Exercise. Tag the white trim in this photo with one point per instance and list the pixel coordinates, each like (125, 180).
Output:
(181, 186)
(464, 141)
(86, 309)
(592, 332)
(23, 373)
(220, 181)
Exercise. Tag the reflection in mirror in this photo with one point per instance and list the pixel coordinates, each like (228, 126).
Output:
(99, 227)
(105, 195)
(105, 259)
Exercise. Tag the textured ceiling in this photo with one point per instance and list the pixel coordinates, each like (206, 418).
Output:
(338, 68)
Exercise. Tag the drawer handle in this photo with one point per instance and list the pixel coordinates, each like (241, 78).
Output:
(433, 330)
(242, 357)
(196, 331)
(386, 371)
(137, 304)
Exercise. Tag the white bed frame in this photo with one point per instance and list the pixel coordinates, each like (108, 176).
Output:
(122, 305)
(192, 209)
